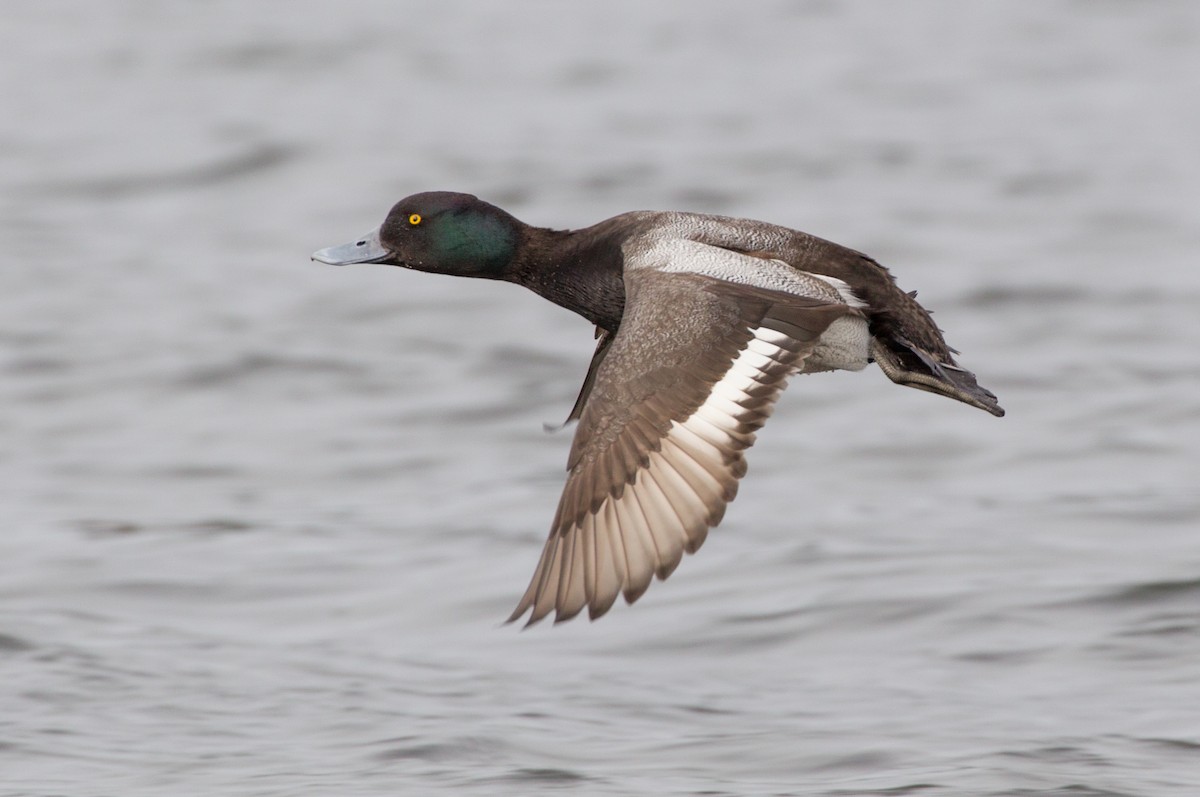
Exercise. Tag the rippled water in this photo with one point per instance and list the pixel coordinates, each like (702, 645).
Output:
(261, 519)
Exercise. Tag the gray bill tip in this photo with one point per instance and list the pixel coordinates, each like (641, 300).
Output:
(366, 249)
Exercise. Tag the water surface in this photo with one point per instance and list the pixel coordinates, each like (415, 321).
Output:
(262, 519)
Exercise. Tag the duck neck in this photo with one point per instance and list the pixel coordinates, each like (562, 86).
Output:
(574, 270)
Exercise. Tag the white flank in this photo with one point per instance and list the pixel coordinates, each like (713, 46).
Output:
(679, 255)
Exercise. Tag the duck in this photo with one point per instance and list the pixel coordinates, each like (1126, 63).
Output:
(700, 321)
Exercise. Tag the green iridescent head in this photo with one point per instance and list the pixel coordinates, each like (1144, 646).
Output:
(437, 231)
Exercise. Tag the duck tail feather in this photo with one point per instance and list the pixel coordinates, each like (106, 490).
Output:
(925, 372)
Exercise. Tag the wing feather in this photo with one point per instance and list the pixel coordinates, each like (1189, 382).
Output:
(681, 389)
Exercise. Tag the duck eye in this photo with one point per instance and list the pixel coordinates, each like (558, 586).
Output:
(414, 219)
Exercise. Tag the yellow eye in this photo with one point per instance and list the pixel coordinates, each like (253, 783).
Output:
(414, 219)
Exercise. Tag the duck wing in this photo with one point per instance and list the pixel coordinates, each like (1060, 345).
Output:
(676, 396)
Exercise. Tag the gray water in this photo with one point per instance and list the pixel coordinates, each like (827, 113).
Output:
(261, 519)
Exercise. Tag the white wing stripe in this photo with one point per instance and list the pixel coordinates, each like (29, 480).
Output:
(732, 439)
(700, 482)
(690, 475)
(686, 433)
(746, 376)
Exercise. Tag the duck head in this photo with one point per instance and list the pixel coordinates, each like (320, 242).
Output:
(437, 231)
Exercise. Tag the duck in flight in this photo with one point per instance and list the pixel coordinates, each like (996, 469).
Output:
(700, 320)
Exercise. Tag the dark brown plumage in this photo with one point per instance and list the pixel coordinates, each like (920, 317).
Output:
(701, 320)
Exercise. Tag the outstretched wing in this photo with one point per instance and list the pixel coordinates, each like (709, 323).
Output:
(692, 373)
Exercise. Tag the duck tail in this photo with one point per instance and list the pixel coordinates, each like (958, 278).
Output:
(908, 364)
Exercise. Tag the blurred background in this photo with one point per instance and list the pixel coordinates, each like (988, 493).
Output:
(260, 519)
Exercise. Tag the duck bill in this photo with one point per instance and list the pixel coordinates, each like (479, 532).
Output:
(366, 249)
